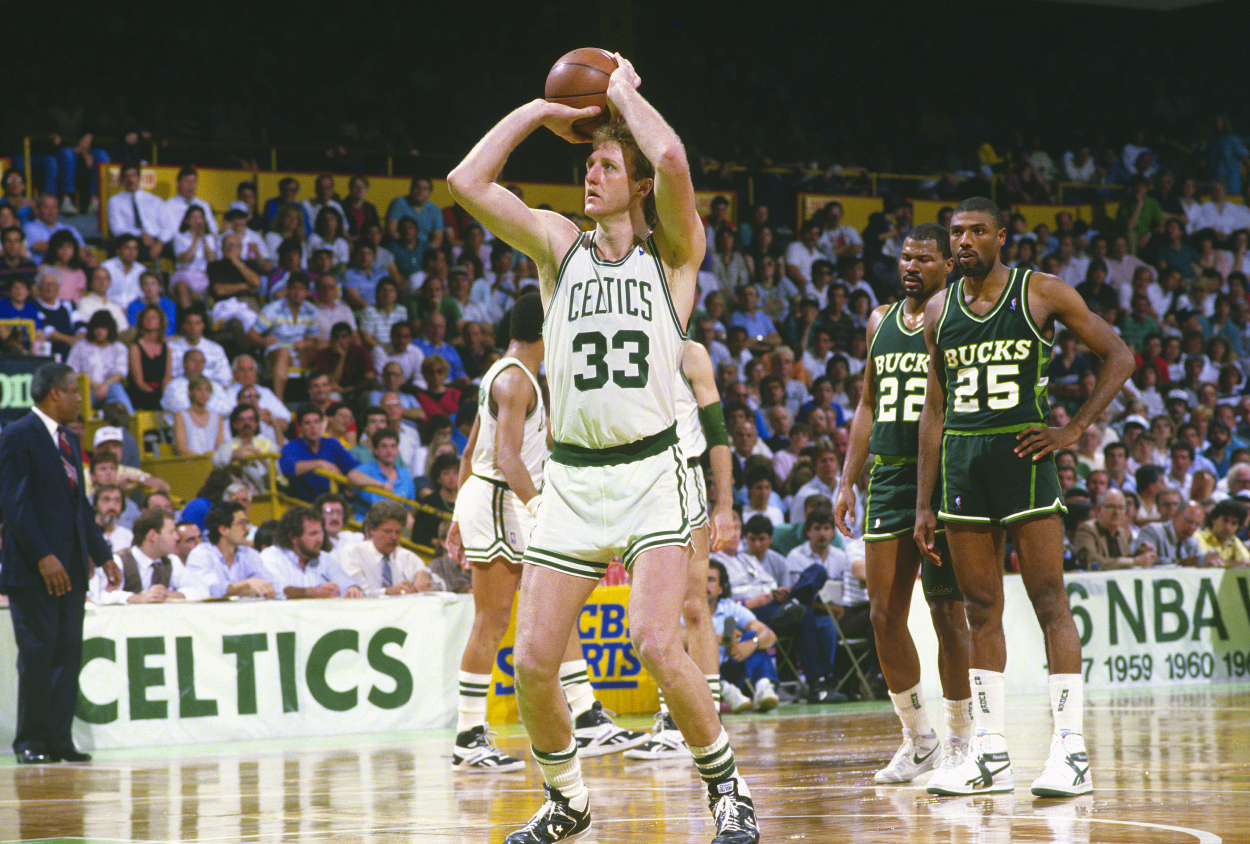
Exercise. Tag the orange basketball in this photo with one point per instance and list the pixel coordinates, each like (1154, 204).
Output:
(580, 79)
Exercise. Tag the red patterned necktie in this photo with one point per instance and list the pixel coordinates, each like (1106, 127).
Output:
(67, 458)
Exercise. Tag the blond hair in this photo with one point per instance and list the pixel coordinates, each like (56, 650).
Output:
(640, 167)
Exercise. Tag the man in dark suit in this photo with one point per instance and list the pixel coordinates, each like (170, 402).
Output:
(51, 545)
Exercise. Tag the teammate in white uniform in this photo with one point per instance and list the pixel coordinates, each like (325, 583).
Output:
(699, 424)
(617, 303)
(500, 475)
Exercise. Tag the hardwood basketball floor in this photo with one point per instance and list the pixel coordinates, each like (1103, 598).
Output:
(1169, 766)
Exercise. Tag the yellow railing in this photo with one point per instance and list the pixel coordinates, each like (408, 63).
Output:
(337, 480)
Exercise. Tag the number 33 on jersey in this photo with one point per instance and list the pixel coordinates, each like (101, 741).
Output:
(613, 343)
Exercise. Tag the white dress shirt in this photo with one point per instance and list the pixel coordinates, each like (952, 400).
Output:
(363, 563)
(176, 398)
(176, 208)
(283, 569)
(119, 538)
(208, 564)
(409, 360)
(122, 214)
(180, 580)
(124, 287)
(268, 401)
(216, 364)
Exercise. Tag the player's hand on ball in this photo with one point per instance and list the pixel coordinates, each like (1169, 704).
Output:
(560, 118)
(624, 78)
(624, 73)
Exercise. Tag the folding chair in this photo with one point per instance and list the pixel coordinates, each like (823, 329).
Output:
(786, 666)
(857, 650)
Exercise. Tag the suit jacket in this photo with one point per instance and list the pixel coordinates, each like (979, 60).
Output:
(43, 514)
(1090, 545)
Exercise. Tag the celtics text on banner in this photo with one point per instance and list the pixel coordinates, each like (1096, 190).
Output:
(181, 673)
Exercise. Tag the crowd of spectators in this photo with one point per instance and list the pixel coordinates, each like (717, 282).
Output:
(350, 340)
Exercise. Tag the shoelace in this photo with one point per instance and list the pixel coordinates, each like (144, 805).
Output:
(726, 814)
(486, 739)
(551, 811)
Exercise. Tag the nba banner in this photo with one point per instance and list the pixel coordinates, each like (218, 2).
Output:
(1148, 627)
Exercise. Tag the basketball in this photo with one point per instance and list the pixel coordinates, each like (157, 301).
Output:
(580, 79)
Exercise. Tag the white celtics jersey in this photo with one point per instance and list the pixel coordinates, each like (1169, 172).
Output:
(689, 428)
(613, 348)
(533, 442)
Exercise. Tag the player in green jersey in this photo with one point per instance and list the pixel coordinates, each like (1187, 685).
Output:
(887, 424)
(989, 340)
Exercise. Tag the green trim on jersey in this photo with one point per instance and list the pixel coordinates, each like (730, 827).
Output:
(568, 256)
(484, 395)
(1005, 429)
(894, 459)
(994, 366)
(900, 359)
(649, 245)
(491, 481)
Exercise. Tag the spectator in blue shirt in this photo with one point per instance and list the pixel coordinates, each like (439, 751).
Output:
(417, 206)
(288, 190)
(360, 279)
(300, 457)
(19, 305)
(762, 334)
(431, 342)
(47, 222)
(385, 472)
(151, 288)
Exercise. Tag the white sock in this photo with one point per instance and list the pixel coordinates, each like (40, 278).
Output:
(715, 762)
(989, 697)
(577, 689)
(958, 718)
(663, 704)
(471, 711)
(713, 683)
(1067, 702)
(909, 705)
(563, 772)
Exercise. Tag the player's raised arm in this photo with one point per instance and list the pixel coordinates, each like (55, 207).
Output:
(932, 419)
(1053, 297)
(860, 435)
(542, 235)
(680, 232)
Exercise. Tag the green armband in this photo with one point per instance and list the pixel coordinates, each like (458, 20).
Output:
(713, 422)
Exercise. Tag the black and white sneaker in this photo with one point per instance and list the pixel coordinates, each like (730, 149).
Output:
(476, 753)
(555, 821)
(665, 742)
(733, 811)
(597, 733)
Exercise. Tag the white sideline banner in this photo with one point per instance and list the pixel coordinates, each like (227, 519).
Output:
(1138, 627)
(157, 674)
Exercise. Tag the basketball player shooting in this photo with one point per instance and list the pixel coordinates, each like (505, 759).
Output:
(617, 301)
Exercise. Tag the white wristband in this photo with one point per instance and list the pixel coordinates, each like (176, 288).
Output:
(533, 504)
